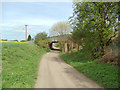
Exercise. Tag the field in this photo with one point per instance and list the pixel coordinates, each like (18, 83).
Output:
(104, 74)
(13, 41)
(20, 64)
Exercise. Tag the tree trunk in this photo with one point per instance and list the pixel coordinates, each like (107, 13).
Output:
(66, 48)
(77, 45)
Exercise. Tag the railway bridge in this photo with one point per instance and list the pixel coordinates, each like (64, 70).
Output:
(53, 39)
(66, 43)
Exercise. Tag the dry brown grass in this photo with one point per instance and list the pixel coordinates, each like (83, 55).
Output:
(111, 55)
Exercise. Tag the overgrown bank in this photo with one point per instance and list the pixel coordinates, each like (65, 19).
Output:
(104, 74)
(20, 64)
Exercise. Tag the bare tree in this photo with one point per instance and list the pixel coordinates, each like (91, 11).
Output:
(63, 31)
(60, 28)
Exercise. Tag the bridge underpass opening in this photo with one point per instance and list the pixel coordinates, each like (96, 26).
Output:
(54, 46)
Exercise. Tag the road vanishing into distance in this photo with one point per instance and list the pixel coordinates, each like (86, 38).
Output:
(55, 73)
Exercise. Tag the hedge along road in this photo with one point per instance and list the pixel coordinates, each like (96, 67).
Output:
(55, 73)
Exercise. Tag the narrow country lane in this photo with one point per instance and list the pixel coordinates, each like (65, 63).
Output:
(55, 73)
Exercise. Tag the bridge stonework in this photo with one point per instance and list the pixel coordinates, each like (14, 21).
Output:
(66, 44)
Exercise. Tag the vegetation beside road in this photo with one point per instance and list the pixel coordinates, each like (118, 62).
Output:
(41, 39)
(20, 64)
(97, 38)
(57, 45)
(104, 74)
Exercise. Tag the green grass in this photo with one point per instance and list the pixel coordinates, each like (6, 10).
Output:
(57, 45)
(20, 63)
(104, 74)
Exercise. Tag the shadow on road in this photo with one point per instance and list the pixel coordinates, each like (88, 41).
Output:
(56, 49)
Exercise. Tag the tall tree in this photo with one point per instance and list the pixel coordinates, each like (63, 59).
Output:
(60, 28)
(97, 23)
(29, 37)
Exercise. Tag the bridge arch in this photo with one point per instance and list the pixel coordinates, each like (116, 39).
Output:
(67, 44)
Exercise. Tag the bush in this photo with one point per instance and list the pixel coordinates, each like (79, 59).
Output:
(14, 40)
(111, 54)
(41, 43)
(41, 39)
(109, 58)
(22, 41)
(4, 40)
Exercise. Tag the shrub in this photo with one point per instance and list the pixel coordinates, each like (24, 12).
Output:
(14, 40)
(41, 39)
(22, 41)
(4, 40)
(111, 54)
(41, 43)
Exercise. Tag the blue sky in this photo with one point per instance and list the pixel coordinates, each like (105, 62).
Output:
(39, 16)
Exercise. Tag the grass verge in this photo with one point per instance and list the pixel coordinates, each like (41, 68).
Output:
(20, 63)
(104, 74)
(57, 45)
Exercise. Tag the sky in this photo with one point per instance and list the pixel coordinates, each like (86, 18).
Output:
(39, 16)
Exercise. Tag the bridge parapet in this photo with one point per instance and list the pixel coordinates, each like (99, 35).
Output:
(60, 38)
(54, 39)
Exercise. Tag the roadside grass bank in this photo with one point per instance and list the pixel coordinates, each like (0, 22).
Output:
(20, 62)
(104, 74)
